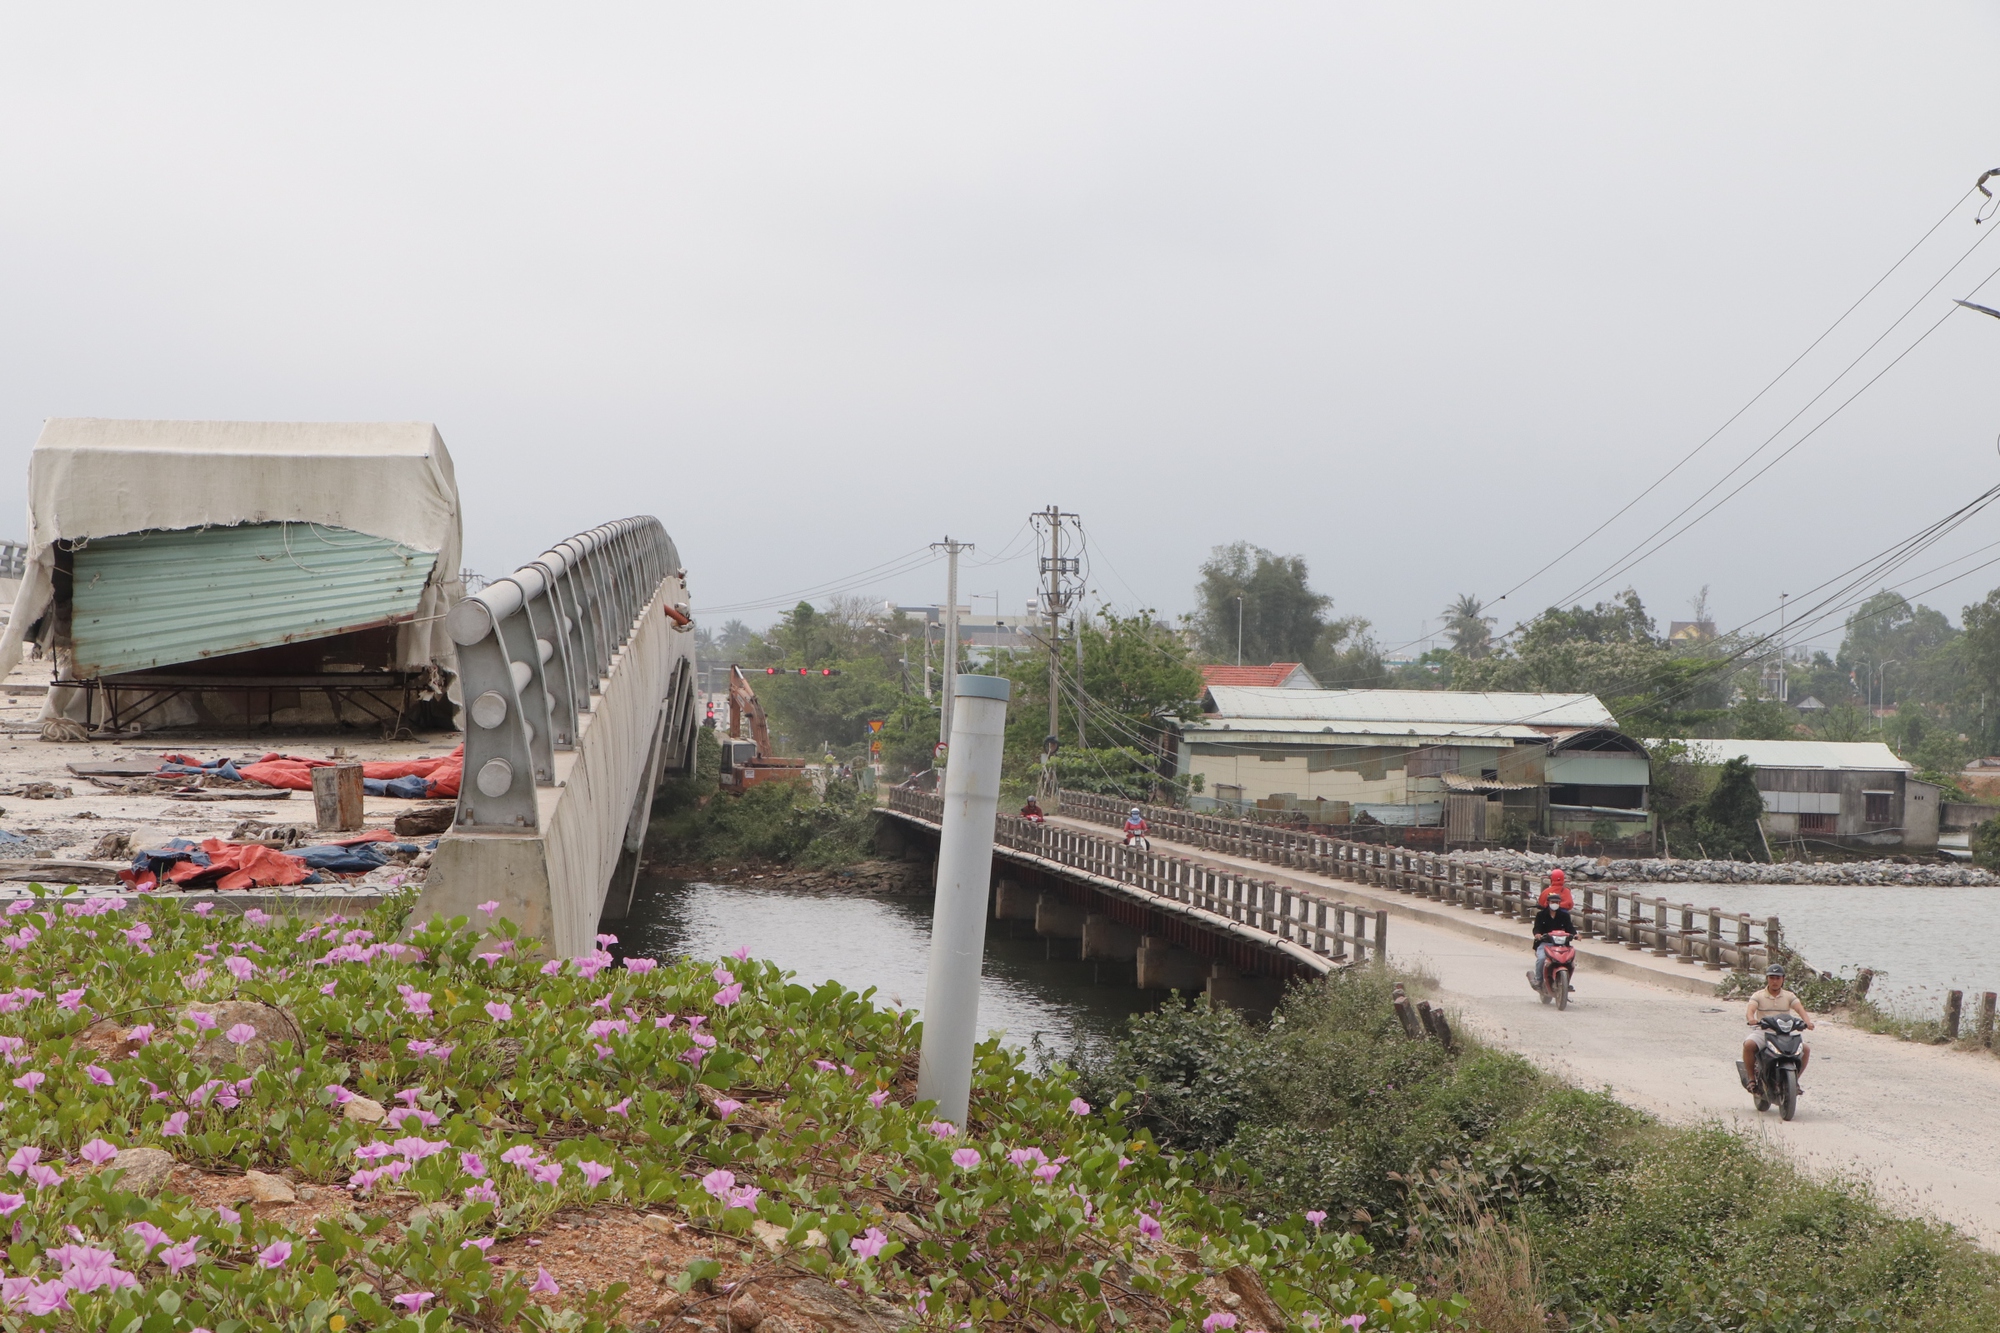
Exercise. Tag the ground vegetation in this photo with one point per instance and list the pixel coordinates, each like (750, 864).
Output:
(452, 1134)
(1542, 1205)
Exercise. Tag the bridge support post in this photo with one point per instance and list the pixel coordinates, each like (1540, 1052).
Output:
(1012, 902)
(1228, 986)
(1057, 919)
(1163, 965)
(1106, 939)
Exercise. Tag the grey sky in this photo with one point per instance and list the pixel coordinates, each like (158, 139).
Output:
(1413, 291)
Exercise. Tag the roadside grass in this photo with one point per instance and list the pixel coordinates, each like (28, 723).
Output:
(1543, 1205)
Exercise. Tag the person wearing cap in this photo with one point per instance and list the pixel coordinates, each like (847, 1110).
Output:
(1773, 999)
(1135, 826)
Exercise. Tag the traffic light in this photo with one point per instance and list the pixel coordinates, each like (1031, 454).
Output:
(803, 671)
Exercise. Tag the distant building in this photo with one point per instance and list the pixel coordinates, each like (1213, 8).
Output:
(1556, 762)
(1691, 631)
(1278, 675)
(983, 637)
(1853, 792)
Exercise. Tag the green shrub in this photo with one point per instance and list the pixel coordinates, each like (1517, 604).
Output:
(782, 822)
(1985, 844)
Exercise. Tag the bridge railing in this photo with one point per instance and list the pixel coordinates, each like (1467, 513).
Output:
(533, 648)
(1710, 937)
(1308, 921)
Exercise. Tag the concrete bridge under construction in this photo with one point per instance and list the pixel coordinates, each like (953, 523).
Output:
(577, 672)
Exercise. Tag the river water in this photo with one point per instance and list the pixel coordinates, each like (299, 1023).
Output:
(883, 943)
(1920, 941)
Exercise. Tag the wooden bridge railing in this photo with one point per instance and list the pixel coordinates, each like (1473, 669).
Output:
(1710, 936)
(1319, 925)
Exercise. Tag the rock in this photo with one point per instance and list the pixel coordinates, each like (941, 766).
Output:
(812, 1303)
(269, 1189)
(425, 820)
(271, 1025)
(364, 1110)
(773, 1236)
(665, 1225)
(742, 1314)
(143, 1170)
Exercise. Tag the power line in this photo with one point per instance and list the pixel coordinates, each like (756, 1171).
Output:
(1614, 571)
(1754, 398)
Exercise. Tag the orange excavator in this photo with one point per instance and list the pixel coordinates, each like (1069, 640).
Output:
(745, 763)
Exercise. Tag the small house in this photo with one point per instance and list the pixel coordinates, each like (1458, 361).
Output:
(1846, 792)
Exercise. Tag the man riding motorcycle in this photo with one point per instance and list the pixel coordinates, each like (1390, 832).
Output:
(1773, 999)
(1032, 812)
(1551, 915)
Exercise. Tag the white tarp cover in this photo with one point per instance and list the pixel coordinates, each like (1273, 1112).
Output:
(94, 477)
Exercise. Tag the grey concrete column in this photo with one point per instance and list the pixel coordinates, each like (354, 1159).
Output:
(1058, 919)
(1107, 939)
(1163, 965)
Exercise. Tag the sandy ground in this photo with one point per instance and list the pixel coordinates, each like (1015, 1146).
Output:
(1921, 1124)
(70, 826)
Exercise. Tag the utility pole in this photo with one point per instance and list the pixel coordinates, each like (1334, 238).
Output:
(951, 550)
(1076, 628)
(1239, 629)
(1055, 600)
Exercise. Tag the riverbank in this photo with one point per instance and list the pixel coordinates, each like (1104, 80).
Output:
(329, 1124)
(874, 878)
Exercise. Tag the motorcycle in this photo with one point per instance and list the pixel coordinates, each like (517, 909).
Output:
(1559, 951)
(1134, 838)
(1778, 1065)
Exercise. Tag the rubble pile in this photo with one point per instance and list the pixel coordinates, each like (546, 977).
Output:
(1666, 870)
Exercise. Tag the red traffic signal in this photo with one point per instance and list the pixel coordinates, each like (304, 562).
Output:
(804, 671)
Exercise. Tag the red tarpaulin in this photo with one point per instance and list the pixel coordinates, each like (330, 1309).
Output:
(295, 771)
(240, 867)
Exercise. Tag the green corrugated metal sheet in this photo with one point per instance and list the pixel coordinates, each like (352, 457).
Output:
(153, 599)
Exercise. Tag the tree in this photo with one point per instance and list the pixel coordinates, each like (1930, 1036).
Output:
(1887, 628)
(1469, 628)
(1762, 720)
(1282, 617)
(1726, 824)
(1623, 619)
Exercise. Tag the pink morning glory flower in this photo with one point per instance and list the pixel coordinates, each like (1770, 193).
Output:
(1355, 1320)
(965, 1158)
(140, 1035)
(545, 1173)
(641, 965)
(490, 906)
(472, 1164)
(479, 1243)
(595, 1173)
(1023, 1156)
(413, 1301)
(10, 1202)
(499, 1011)
(240, 1034)
(553, 966)
(875, 1099)
(1078, 1106)
(825, 1066)
(1316, 1217)
(1220, 1319)
(31, 1080)
(869, 1243)
(1149, 1227)
(743, 1196)
(180, 1256)
(240, 967)
(97, 1152)
(43, 1177)
(275, 1254)
(943, 1129)
(727, 1106)
(71, 1000)
(329, 988)
(482, 1193)
(622, 1107)
(1047, 1174)
(742, 952)
(202, 1019)
(719, 1182)
(203, 909)
(175, 1124)
(728, 995)
(544, 1285)
(149, 1233)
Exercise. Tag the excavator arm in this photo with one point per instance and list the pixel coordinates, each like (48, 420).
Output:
(743, 704)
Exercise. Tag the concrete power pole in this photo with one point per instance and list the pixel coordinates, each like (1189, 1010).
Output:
(1055, 601)
(951, 550)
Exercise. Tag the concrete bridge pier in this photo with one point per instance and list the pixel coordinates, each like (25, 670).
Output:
(1057, 919)
(1107, 940)
(1013, 902)
(1164, 965)
(1228, 986)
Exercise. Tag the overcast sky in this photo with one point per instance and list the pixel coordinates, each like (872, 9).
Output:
(1421, 293)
